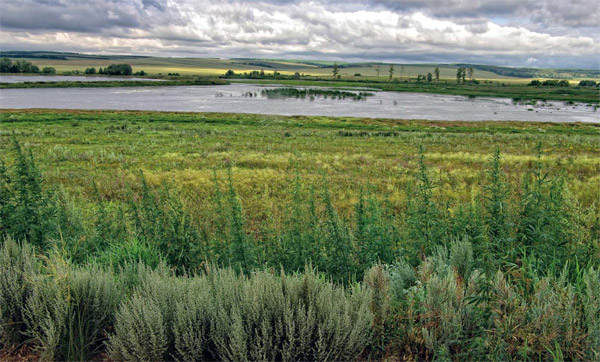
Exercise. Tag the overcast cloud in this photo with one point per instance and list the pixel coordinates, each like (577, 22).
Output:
(554, 33)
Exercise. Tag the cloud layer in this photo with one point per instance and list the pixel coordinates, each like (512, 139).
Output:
(556, 33)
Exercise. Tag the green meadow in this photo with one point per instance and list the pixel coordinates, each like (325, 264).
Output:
(207, 236)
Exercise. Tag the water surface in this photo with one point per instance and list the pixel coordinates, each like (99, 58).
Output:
(234, 98)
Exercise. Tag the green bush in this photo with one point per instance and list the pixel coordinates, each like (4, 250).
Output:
(27, 211)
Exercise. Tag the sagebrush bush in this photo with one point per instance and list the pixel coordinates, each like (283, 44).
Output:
(227, 316)
(592, 312)
(140, 332)
(18, 266)
(70, 309)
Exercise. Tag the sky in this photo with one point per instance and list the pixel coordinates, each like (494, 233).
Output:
(527, 33)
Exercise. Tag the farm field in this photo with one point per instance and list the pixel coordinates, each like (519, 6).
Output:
(352, 71)
(216, 67)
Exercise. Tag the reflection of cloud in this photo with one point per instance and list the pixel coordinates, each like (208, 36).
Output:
(435, 30)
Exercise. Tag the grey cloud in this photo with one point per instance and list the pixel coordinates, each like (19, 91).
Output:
(450, 31)
(85, 16)
(548, 12)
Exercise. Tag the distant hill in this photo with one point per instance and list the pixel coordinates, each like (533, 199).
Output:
(534, 72)
(62, 55)
(69, 61)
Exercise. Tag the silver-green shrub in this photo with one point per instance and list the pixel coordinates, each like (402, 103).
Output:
(17, 267)
(592, 312)
(140, 332)
(69, 310)
(228, 316)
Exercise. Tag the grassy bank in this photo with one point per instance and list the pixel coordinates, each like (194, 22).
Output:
(431, 240)
(116, 83)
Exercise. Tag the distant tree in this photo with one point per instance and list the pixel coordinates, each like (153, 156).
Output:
(118, 69)
(100, 71)
(336, 70)
(229, 73)
(437, 74)
(5, 65)
(378, 70)
(391, 71)
(262, 72)
(140, 73)
(458, 75)
(535, 83)
(296, 75)
(464, 74)
(587, 83)
(470, 71)
(90, 70)
(23, 66)
(429, 77)
(418, 78)
(48, 70)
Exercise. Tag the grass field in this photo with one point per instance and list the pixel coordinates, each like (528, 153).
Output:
(217, 67)
(74, 147)
(212, 67)
(205, 236)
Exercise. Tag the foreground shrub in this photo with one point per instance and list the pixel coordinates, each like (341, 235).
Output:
(227, 316)
(69, 311)
(17, 267)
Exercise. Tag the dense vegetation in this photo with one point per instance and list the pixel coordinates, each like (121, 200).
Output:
(288, 92)
(18, 66)
(465, 241)
(117, 69)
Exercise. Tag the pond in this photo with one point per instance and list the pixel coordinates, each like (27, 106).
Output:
(248, 98)
(64, 78)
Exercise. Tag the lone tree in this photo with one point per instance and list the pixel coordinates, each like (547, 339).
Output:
(459, 76)
(464, 73)
(437, 74)
(336, 70)
(429, 77)
(470, 71)
(391, 71)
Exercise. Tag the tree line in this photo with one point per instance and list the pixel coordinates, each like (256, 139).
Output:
(22, 66)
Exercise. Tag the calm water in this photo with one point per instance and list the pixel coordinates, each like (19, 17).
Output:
(230, 98)
(63, 78)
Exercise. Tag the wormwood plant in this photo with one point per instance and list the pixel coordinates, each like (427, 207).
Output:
(26, 210)
(17, 266)
(229, 316)
(337, 241)
(160, 218)
(70, 309)
(242, 253)
(424, 225)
